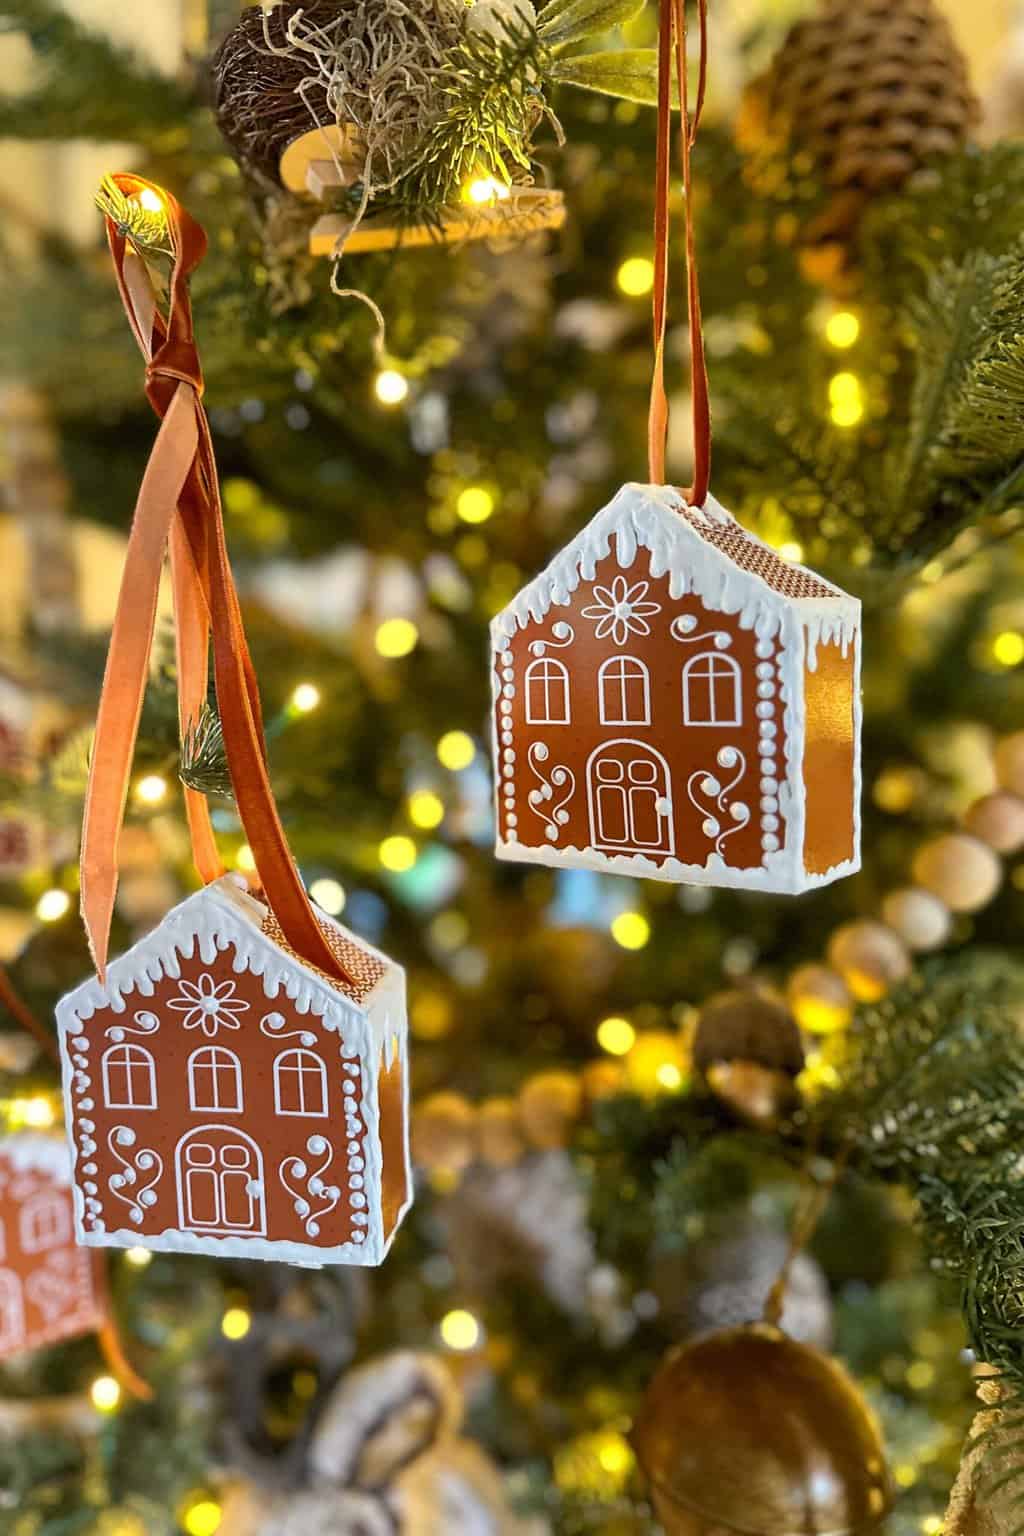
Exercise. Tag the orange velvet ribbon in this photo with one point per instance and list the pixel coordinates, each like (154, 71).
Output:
(179, 507)
(672, 42)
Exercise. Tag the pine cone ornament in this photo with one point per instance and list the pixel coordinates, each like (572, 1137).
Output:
(863, 95)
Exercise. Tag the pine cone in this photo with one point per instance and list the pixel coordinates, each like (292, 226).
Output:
(864, 95)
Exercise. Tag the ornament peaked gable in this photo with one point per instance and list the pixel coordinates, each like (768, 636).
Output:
(674, 700)
(48, 1287)
(224, 1097)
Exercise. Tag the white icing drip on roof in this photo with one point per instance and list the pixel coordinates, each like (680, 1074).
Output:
(648, 517)
(30, 1153)
(215, 919)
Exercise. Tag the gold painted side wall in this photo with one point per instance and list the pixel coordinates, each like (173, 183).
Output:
(395, 1183)
(829, 760)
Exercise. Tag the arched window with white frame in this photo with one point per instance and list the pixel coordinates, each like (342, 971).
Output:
(712, 690)
(215, 1080)
(129, 1078)
(547, 692)
(45, 1222)
(624, 690)
(300, 1084)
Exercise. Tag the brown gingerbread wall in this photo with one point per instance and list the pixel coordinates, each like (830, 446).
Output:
(211, 1170)
(829, 759)
(561, 762)
(48, 1289)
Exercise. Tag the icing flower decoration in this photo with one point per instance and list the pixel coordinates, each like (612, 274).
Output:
(621, 611)
(208, 1006)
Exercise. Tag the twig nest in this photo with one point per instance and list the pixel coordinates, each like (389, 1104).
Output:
(381, 1417)
(525, 1225)
(323, 1512)
(922, 921)
(999, 821)
(500, 1133)
(748, 1026)
(747, 1430)
(308, 64)
(722, 1282)
(820, 999)
(960, 870)
(870, 957)
(550, 1105)
(444, 1133)
(1010, 763)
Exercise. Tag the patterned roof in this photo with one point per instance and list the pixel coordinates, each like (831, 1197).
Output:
(365, 967)
(749, 554)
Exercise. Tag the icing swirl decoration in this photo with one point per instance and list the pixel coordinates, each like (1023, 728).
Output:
(686, 629)
(138, 1195)
(275, 1027)
(146, 1023)
(711, 789)
(621, 610)
(316, 1199)
(544, 802)
(562, 634)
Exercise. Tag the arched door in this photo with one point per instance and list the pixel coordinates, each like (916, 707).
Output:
(12, 1311)
(629, 789)
(220, 1182)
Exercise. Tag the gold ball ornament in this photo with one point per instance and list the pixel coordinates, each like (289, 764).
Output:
(745, 1430)
(870, 957)
(998, 820)
(549, 1106)
(960, 870)
(922, 921)
(444, 1133)
(1010, 763)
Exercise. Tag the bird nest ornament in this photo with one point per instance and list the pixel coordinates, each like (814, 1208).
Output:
(412, 120)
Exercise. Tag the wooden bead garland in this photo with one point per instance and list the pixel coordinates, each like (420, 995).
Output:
(866, 959)
(870, 957)
(998, 820)
(922, 921)
(960, 870)
(1010, 763)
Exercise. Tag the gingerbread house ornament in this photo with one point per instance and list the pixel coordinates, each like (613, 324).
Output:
(224, 1097)
(674, 700)
(48, 1285)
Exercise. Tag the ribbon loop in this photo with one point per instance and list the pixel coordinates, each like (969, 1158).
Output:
(672, 42)
(179, 504)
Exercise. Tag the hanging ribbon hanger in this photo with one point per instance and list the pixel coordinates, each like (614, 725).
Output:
(179, 508)
(672, 46)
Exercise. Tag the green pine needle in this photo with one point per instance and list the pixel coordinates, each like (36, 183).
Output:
(203, 763)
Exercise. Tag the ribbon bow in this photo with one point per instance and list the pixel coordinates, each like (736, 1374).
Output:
(179, 506)
(672, 42)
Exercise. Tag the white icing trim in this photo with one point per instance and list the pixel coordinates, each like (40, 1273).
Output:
(30, 1153)
(648, 517)
(306, 1256)
(780, 874)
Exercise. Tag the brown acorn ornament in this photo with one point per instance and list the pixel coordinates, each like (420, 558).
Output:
(749, 1049)
(745, 1430)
